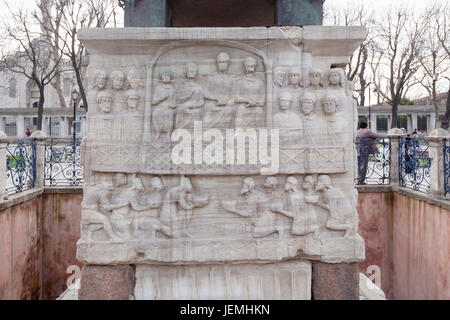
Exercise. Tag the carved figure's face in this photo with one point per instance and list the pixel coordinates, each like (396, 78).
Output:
(323, 183)
(294, 78)
(191, 71)
(250, 66)
(285, 102)
(106, 104)
(314, 78)
(308, 183)
(120, 180)
(118, 82)
(291, 184)
(247, 186)
(222, 64)
(132, 102)
(279, 77)
(101, 80)
(138, 184)
(329, 107)
(166, 77)
(334, 77)
(307, 106)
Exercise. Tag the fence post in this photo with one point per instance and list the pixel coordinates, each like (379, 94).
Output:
(394, 135)
(39, 138)
(436, 153)
(3, 146)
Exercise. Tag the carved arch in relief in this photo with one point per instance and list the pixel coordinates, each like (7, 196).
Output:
(267, 68)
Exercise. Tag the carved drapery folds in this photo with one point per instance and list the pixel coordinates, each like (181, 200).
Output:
(196, 95)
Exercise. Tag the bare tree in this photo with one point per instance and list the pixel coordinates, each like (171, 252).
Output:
(442, 29)
(356, 69)
(434, 61)
(395, 50)
(73, 16)
(35, 59)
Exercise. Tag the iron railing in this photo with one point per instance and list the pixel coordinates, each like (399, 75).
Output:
(414, 164)
(446, 151)
(62, 163)
(20, 166)
(374, 161)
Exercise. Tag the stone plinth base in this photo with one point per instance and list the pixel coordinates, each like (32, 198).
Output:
(338, 281)
(107, 283)
(280, 281)
(291, 280)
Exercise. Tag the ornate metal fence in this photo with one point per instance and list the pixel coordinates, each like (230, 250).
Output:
(62, 163)
(374, 161)
(446, 151)
(20, 166)
(414, 164)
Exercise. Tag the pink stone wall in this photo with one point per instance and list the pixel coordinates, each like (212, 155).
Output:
(21, 251)
(409, 240)
(420, 260)
(375, 216)
(37, 243)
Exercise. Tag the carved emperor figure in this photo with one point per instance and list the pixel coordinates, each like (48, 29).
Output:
(177, 209)
(118, 79)
(251, 97)
(219, 110)
(190, 99)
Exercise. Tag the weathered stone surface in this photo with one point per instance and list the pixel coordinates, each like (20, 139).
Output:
(107, 283)
(220, 146)
(338, 281)
(286, 280)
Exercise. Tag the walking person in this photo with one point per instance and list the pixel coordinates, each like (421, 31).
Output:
(365, 145)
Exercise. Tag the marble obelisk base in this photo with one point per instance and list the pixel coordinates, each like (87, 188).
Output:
(293, 280)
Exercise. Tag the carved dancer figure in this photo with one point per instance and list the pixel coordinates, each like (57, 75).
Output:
(121, 199)
(118, 79)
(251, 97)
(253, 204)
(147, 222)
(281, 224)
(163, 104)
(219, 110)
(339, 208)
(190, 100)
(96, 218)
(177, 209)
(289, 123)
(335, 131)
(101, 78)
(303, 222)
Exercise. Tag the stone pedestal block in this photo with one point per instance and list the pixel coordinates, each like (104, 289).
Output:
(339, 281)
(107, 283)
(281, 281)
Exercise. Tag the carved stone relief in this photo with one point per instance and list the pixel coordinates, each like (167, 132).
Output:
(142, 206)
